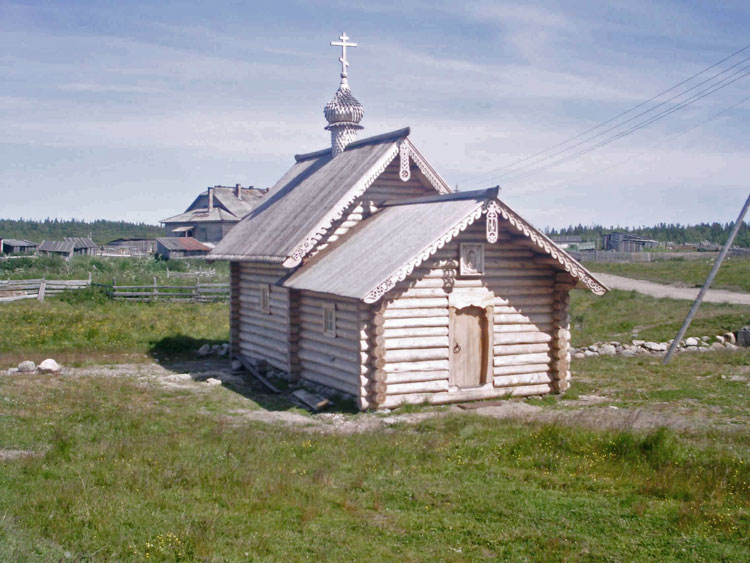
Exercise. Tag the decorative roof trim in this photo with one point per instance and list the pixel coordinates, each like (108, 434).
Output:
(549, 247)
(314, 236)
(245, 258)
(492, 208)
(402, 273)
(428, 171)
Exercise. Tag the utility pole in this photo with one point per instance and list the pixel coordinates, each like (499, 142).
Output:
(707, 284)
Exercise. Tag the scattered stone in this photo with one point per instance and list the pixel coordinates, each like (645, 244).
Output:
(731, 346)
(212, 381)
(26, 366)
(12, 371)
(628, 353)
(638, 342)
(236, 365)
(691, 341)
(607, 350)
(705, 338)
(579, 355)
(730, 338)
(720, 339)
(589, 353)
(204, 350)
(179, 377)
(49, 366)
(716, 346)
(655, 346)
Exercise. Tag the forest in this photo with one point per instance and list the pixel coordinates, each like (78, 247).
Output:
(714, 233)
(101, 230)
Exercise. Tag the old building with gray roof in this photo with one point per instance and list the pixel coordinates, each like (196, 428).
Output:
(362, 273)
(214, 212)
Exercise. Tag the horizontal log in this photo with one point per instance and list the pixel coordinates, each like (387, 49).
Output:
(415, 332)
(315, 322)
(416, 342)
(517, 318)
(252, 350)
(419, 303)
(430, 365)
(521, 359)
(269, 320)
(329, 360)
(416, 355)
(414, 376)
(510, 349)
(418, 322)
(418, 387)
(415, 313)
(327, 381)
(522, 379)
(281, 349)
(514, 309)
(343, 342)
(335, 352)
(392, 401)
(522, 327)
(514, 370)
(521, 338)
(314, 300)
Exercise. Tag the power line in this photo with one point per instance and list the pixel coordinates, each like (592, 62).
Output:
(600, 125)
(708, 91)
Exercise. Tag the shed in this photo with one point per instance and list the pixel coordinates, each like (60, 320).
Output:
(362, 273)
(83, 245)
(180, 247)
(56, 248)
(17, 246)
(130, 247)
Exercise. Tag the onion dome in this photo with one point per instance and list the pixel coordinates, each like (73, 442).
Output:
(343, 108)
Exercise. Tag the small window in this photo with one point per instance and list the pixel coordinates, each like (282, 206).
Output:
(329, 320)
(265, 298)
(472, 259)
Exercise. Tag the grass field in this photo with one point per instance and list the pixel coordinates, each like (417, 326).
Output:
(120, 470)
(734, 273)
(105, 269)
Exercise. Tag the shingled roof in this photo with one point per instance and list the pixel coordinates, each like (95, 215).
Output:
(57, 246)
(227, 206)
(423, 226)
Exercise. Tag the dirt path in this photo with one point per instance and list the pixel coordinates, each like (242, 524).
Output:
(671, 291)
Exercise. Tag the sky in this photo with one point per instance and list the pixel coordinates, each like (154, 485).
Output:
(127, 110)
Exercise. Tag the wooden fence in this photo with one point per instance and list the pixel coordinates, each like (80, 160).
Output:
(210, 272)
(14, 290)
(200, 292)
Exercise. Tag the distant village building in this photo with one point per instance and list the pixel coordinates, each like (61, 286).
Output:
(214, 212)
(172, 248)
(627, 242)
(361, 272)
(64, 249)
(573, 242)
(17, 246)
(83, 246)
(130, 247)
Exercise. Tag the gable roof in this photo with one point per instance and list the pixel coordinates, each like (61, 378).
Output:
(57, 246)
(312, 194)
(182, 243)
(17, 242)
(423, 225)
(81, 242)
(227, 206)
(203, 215)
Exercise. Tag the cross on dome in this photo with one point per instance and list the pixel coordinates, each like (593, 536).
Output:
(343, 43)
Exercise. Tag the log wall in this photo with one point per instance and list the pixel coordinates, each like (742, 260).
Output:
(260, 335)
(339, 362)
(530, 329)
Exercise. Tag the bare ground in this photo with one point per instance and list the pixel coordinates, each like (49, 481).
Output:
(590, 411)
(673, 291)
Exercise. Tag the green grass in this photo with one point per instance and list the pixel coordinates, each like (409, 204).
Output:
(127, 271)
(124, 471)
(624, 315)
(84, 325)
(732, 275)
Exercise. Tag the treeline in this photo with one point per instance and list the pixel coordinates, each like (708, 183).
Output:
(715, 233)
(101, 230)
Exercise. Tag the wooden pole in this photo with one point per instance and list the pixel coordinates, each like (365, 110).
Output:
(707, 284)
(42, 288)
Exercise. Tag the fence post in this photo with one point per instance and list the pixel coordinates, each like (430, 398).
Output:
(167, 272)
(156, 290)
(89, 279)
(42, 288)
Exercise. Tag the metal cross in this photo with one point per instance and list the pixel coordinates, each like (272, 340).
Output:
(343, 44)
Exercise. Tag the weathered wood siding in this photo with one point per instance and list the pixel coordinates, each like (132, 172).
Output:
(260, 335)
(530, 333)
(338, 362)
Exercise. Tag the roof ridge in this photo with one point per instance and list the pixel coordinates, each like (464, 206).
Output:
(398, 133)
(485, 194)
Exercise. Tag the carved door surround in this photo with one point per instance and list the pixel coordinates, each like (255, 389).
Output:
(471, 316)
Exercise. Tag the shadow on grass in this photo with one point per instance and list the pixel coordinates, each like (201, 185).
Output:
(179, 354)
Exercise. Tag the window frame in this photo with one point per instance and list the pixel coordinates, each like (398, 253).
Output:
(265, 298)
(329, 308)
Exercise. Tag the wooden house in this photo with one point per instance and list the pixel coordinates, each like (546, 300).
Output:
(214, 212)
(83, 246)
(130, 247)
(17, 246)
(62, 248)
(361, 272)
(174, 248)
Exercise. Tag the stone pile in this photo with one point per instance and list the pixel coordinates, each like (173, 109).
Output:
(214, 350)
(644, 347)
(27, 366)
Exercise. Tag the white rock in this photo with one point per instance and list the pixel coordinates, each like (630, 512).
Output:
(705, 338)
(579, 355)
(589, 353)
(212, 381)
(716, 346)
(731, 346)
(730, 338)
(204, 350)
(692, 341)
(720, 339)
(607, 350)
(638, 342)
(236, 365)
(26, 366)
(655, 346)
(627, 352)
(49, 366)
(12, 371)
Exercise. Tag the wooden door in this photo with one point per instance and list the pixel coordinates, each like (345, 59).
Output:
(469, 347)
